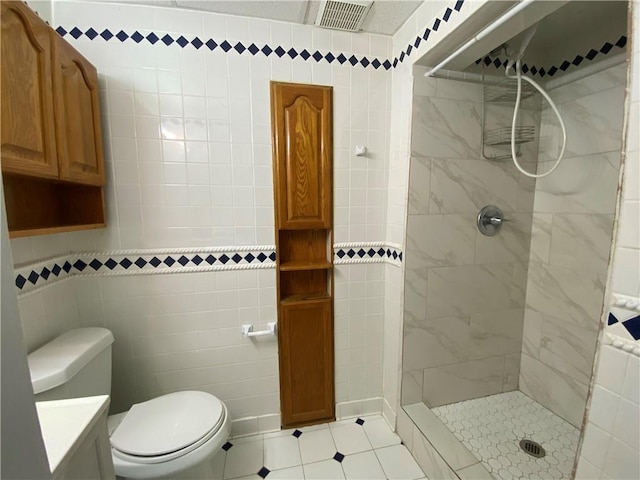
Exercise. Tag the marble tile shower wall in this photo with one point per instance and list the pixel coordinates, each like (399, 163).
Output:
(420, 23)
(464, 292)
(188, 155)
(571, 238)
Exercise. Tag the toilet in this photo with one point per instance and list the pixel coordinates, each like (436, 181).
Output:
(170, 436)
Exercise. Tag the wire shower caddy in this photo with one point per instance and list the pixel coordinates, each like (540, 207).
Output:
(500, 93)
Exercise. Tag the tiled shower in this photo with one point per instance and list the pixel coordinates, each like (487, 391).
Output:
(519, 311)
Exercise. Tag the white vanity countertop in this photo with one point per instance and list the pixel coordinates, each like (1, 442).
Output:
(66, 423)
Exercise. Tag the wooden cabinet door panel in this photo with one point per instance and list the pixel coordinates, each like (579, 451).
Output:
(27, 138)
(301, 115)
(306, 362)
(77, 115)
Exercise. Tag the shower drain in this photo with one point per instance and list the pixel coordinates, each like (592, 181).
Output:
(532, 448)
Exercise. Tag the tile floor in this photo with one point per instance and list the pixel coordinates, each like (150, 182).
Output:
(491, 428)
(363, 448)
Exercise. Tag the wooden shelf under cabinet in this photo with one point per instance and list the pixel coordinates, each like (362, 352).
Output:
(36, 206)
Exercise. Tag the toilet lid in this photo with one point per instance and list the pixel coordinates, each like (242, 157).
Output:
(167, 423)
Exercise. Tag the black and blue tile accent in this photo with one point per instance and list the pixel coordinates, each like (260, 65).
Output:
(34, 276)
(144, 262)
(246, 48)
(366, 253)
(552, 70)
(624, 323)
(423, 37)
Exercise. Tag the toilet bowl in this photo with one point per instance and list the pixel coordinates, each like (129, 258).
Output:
(173, 436)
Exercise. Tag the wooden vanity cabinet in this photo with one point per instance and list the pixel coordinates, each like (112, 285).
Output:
(51, 150)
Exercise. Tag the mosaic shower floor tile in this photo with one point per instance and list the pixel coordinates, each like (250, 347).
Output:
(492, 427)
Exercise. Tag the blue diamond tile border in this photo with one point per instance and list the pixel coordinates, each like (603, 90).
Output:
(39, 274)
(624, 323)
(592, 53)
(181, 41)
(355, 61)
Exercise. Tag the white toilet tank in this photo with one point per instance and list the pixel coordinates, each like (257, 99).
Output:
(75, 364)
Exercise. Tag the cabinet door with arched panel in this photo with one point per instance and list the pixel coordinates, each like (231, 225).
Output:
(28, 140)
(302, 143)
(77, 115)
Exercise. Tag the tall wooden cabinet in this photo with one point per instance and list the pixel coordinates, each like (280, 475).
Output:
(51, 139)
(301, 118)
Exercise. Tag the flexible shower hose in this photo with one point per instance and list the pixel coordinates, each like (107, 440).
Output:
(518, 76)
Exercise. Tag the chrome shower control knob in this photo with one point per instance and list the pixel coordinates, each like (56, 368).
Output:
(490, 220)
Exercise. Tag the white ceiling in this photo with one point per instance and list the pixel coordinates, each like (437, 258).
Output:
(385, 16)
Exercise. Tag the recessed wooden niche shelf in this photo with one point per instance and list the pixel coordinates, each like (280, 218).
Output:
(302, 164)
(36, 206)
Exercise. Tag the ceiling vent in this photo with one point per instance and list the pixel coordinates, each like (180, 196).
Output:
(342, 15)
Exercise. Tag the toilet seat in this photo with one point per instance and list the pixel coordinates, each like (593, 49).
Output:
(167, 427)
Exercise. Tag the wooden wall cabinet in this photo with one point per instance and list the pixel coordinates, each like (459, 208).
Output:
(302, 161)
(51, 150)
(28, 137)
(77, 115)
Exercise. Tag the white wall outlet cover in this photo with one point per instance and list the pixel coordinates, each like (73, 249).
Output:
(361, 150)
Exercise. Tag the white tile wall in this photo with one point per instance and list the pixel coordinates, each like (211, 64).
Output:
(188, 157)
(610, 444)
